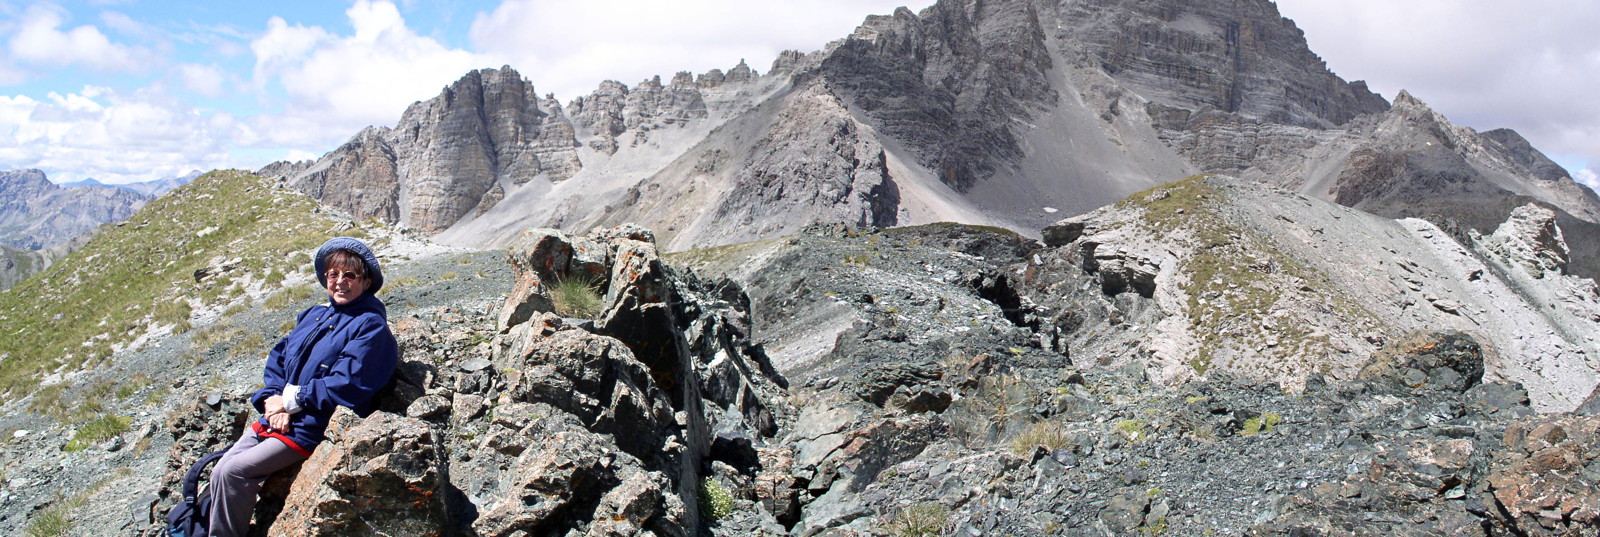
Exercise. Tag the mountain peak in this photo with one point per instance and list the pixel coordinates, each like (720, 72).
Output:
(1406, 100)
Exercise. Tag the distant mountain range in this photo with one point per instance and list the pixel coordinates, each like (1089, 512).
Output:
(154, 187)
(40, 220)
(1010, 113)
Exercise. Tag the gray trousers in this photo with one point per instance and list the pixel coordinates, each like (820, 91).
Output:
(238, 477)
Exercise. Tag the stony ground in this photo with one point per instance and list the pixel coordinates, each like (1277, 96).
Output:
(920, 390)
(123, 475)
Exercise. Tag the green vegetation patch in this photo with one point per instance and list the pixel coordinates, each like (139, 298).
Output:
(1134, 430)
(1235, 280)
(926, 519)
(577, 297)
(139, 275)
(1048, 434)
(716, 503)
(1260, 424)
(97, 431)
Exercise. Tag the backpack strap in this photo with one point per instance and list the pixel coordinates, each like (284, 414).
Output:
(191, 480)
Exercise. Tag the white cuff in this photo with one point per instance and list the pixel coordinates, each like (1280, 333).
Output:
(291, 398)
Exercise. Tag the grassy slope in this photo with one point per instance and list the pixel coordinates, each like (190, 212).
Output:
(140, 276)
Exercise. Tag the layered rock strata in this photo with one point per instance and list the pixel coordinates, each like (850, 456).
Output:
(449, 157)
(1004, 113)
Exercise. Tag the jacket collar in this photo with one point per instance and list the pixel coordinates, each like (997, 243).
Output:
(366, 303)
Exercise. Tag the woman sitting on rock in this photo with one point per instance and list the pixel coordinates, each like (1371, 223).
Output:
(339, 354)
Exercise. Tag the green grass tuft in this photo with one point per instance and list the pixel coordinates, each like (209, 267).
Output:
(925, 519)
(1133, 430)
(716, 503)
(97, 431)
(1045, 433)
(576, 297)
(1260, 424)
(290, 296)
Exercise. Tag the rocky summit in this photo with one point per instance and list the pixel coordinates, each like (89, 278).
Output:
(1188, 361)
(1012, 113)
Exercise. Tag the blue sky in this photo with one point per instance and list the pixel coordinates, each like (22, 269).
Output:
(129, 90)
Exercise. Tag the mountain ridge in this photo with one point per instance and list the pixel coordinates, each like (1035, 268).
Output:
(984, 117)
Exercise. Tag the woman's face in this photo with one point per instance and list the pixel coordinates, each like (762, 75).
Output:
(345, 286)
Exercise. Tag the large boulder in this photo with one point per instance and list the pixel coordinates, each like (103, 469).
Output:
(541, 258)
(1448, 360)
(1543, 483)
(569, 482)
(594, 378)
(377, 476)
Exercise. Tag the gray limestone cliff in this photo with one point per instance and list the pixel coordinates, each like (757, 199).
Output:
(1012, 113)
(1232, 57)
(448, 157)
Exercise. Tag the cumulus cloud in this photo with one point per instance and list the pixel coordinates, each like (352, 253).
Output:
(296, 155)
(1530, 66)
(207, 80)
(1588, 177)
(567, 48)
(337, 84)
(113, 137)
(40, 40)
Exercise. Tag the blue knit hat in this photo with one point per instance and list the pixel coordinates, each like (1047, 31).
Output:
(357, 247)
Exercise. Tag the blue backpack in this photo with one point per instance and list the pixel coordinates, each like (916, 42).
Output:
(191, 516)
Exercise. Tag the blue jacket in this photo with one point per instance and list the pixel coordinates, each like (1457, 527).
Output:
(339, 356)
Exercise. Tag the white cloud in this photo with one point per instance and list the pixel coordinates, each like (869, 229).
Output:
(39, 40)
(205, 80)
(569, 47)
(296, 155)
(1588, 177)
(339, 84)
(101, 133)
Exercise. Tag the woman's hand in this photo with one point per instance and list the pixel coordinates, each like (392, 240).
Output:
(278, 421)
(274, 405)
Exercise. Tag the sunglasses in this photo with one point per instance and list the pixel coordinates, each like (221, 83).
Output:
(334, 276)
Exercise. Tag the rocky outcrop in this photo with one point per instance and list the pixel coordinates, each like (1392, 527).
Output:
(949, 83)
(487, 128)
(448, 158)
(1531, 239)
(651, 105)
(35, 214)
(380, 476)
(600, 113)
(815, 164)
(741, 73)
(1233, 57)
(360, 177)
(1239, 282)
(544, 425)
